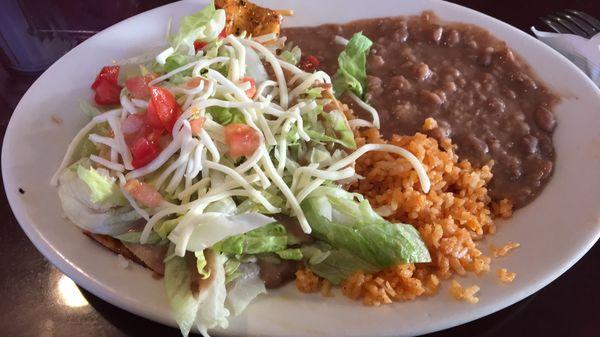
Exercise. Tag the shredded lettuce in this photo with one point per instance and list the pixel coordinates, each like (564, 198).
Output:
(334, 265)
(231, 270)
(103, 188)
(164, 227)
(206, 309)
(212, 312)
(100, 218)
(224, 206)
(86, 148)
(182, 301)
(344, 134)
(329, 127)
(266, 239)
(291, 56)
(245, 288)
(204, 25)
(290, 254)
(226, 116)
(250, 205)
(354, 226)
(134, 237)
(352, 70)
(313, 93)
(175, 61)
(211, 227)
(201, 265)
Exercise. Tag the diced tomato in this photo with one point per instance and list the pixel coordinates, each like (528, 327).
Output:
(144, 193)
(197, 125)
(138, 86)
(223, 34)
(194, 82)
(106, 86)
(309, 63)
(252, 91)
(108, 73)
(107, 93)
(241, 139)
(143, 151)
(152, 117)
(133, 123)
(144, 141)
(163, 111)
(199, 45)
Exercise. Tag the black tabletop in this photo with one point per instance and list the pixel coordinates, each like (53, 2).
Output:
(36, 299)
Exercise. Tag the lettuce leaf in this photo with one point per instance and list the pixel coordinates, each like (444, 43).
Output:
(164, 227)
(245, 288)
(182, 301)
(250, 205)
(327, 127)
(313, 93)
(212, 312)
(86, 147)
(204, 25)
(206, 308)
(352, 70)
(211, 227)
(334, 265)
(290, 254)
(134, 237)
(344, 134)
(104, 188)
(291, 56)
(201, 265)
(99, 218)
(231, 270)
(344, 223)
(226, 116)
(173, 62)
(266, 239)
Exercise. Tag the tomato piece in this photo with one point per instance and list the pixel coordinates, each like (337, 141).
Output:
(309, 63)
(144, 193)
(132, 124)
(106, 86)
(199, 45)
(197, 125)
(241, 139)
(107, 93)
(223, 34)
(138, 86)
(152, 117)
(252, 91)
(163, 111)
(193, 82)
(144, 151)
(107, 73)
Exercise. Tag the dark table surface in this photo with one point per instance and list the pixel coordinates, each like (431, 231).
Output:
(36, 299)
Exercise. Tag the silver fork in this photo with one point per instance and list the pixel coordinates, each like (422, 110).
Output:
(573, 22)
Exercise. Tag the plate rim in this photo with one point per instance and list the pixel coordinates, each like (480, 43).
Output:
(106, 293)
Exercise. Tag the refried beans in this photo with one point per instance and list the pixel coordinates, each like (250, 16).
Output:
(482, 95)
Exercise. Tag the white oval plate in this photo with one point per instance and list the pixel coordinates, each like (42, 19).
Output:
(554, 231)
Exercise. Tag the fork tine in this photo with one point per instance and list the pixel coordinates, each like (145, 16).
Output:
(554, 25)
(572, 28)
(589, 30)
(590, 20)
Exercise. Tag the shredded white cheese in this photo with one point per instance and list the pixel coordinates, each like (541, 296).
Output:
(196, 166)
